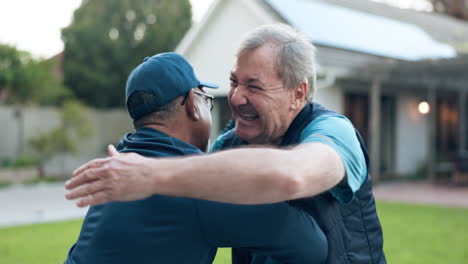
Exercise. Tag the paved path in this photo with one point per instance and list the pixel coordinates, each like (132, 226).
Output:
(423, 193)
(26, 204)
(46, 202)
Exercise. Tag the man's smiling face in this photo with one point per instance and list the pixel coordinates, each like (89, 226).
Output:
(260, 104)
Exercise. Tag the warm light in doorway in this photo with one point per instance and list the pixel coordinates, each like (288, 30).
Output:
(424, 108)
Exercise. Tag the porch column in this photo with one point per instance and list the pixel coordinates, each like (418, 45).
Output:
(431, 144)
(374, 125)
(462, 122)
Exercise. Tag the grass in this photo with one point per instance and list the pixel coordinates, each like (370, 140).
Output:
(49, 243)
(413, 234)
(39, 243)
(416, 234)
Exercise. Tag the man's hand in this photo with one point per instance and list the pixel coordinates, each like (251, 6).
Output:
(119, 177)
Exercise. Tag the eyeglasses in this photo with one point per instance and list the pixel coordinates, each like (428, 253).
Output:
(208, 98)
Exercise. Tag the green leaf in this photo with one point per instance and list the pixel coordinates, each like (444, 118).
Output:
(108, 38)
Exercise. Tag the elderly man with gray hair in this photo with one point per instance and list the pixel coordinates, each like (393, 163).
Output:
(304, 154)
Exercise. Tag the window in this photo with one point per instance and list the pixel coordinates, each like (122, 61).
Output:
(447, 126)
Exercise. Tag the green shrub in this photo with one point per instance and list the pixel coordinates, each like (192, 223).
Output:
(7, 162)
(21, 162)
(25, 161)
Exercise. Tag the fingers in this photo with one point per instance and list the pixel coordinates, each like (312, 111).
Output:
(95, 163)
(111, 151)
(89, 174)
(94, 193)
(90, 189)
(93, 199)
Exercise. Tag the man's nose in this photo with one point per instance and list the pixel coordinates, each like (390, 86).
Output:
(238, 95)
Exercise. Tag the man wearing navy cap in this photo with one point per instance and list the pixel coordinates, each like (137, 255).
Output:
(310, 156)
(171, 114)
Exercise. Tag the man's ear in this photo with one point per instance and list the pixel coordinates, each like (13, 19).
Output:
(192, 108)
(299, 96)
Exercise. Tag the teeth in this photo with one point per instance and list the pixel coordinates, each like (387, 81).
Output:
(248, 116)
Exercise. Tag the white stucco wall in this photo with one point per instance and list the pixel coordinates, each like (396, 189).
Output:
(411, 135)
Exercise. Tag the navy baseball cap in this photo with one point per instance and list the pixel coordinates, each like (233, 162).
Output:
(166, 76)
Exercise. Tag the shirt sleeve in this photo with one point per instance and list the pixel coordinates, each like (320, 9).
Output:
(337, 132)
(279, 230)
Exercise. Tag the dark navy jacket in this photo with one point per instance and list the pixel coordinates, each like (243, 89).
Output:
(353, 230)
(170, 230)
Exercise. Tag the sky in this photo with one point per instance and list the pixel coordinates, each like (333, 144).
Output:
(34, 25)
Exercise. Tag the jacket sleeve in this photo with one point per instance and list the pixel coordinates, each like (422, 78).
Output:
(279, 230)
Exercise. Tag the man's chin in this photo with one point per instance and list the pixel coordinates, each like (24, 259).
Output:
(246, 135)
(241, 133)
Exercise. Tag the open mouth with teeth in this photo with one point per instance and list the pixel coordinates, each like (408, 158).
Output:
(248, 116)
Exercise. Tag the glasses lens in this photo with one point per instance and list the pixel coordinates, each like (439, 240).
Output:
(208, 99)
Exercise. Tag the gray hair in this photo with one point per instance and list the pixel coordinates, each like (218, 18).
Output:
(295, 60)
(160, 113)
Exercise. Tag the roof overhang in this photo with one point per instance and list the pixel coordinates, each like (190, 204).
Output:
(345, 28)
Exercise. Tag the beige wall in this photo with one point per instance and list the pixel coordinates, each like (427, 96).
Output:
(108, 127)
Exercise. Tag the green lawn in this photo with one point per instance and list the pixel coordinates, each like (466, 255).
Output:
(41, 243)
(49, 243)
(413, 234)
(416, 234)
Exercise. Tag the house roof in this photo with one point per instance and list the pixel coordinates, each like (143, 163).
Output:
(441, 27)
(443, 74)
(436, 33)
(448, 74)
(362, 26)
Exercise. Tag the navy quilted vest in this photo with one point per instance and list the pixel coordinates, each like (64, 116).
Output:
(353, 230)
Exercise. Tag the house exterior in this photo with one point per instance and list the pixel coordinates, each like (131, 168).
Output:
(361, 48)
(456, 8)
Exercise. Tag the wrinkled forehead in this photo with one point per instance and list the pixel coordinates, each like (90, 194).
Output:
(255, 75)
(260, 59)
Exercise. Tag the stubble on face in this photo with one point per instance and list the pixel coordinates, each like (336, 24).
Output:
(258, 100)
